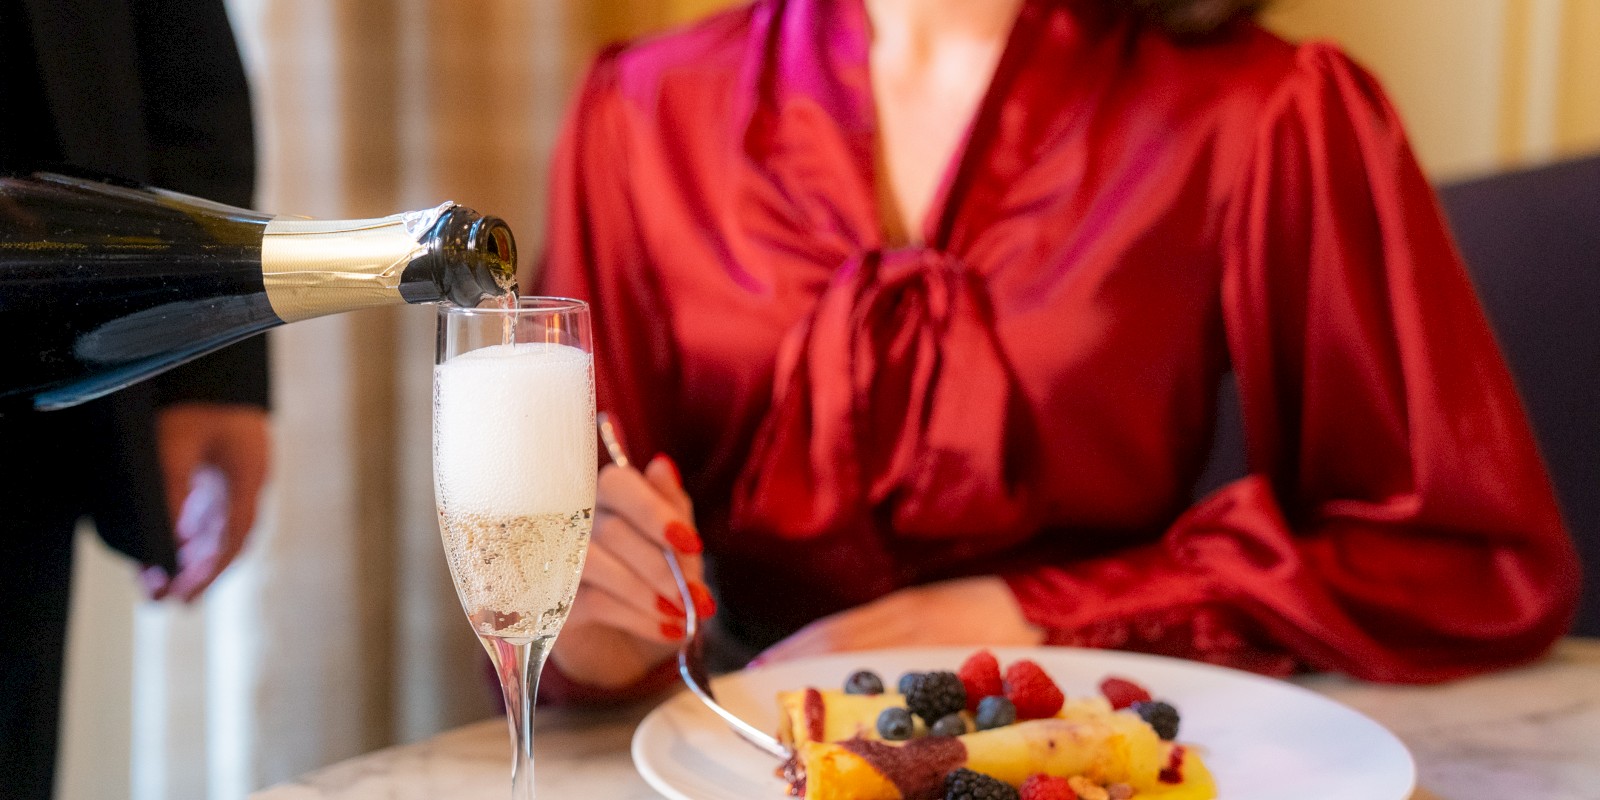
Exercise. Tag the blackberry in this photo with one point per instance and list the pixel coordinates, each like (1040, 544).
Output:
(895, 724)
(948, 725)
(904, 684)
(995, 711)
(964, 784)
(935, 694)
(1161, 716)
(863, 682)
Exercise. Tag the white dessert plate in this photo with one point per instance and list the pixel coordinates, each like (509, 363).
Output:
(1263, 739)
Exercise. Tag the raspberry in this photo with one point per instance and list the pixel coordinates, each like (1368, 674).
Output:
(1032, 691)
(964, 784)
(1044, 787)
(980, 674)
(935, 694)
(1123, 692)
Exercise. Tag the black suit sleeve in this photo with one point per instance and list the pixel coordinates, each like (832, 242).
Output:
(198, 120)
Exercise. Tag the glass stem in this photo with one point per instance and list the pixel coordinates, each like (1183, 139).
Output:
(518, 666)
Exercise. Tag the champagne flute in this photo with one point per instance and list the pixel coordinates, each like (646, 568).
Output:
(514, 468)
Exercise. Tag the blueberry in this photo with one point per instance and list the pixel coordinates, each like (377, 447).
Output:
(895, 725)
(995, 711)
(948, 725)
(863, 682)
(1161, 716)
(906, 681)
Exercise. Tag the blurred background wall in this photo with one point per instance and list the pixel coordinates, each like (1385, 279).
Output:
(338, 632)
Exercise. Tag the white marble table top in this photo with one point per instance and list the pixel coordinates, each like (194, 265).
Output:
(1528, 733)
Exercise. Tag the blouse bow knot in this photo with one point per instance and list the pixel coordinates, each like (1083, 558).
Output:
(892, 400)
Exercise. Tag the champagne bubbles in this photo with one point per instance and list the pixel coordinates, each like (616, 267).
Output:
(514, 431)
(514, 475)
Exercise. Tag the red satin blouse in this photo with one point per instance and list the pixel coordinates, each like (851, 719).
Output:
(1031, 392)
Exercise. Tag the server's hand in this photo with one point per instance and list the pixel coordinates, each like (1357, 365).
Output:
(214, 459)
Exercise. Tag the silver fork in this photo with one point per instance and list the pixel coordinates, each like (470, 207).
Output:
(691, 649)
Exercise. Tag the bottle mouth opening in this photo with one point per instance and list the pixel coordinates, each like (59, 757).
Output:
(491, 237)
(499, 245)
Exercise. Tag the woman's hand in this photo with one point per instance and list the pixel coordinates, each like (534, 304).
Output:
(627, 615)
(968, 611)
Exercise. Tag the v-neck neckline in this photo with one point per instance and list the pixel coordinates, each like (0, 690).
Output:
(934, 226)
(808, 123)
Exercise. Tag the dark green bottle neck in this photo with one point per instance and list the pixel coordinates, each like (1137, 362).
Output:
(468, 258)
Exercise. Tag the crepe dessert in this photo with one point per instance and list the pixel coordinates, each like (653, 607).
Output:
(978, 734)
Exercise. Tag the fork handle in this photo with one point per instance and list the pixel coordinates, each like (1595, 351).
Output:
(690, 665)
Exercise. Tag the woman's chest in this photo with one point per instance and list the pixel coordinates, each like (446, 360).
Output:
(1099, 310)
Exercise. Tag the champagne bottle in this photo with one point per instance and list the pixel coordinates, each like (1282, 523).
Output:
(102, 285)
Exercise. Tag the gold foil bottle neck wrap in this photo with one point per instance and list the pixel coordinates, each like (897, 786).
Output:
(311, 268)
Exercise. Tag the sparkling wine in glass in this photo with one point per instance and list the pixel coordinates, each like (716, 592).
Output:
(514, 478)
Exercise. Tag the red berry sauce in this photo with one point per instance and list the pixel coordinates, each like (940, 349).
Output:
(917, 768)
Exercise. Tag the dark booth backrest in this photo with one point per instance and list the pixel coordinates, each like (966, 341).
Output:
(1532, 243)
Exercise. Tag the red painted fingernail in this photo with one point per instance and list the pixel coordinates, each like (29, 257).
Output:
(672, 630)
(704, 605)
(683, 538)
(668, 608)
(672, 465)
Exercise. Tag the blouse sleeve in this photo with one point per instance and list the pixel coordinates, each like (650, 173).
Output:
(593, 252)
(1397, 523)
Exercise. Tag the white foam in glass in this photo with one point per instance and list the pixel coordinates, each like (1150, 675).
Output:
(514, 431)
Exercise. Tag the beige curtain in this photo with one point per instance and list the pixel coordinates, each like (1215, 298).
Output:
(369, 107)
(339, 632)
